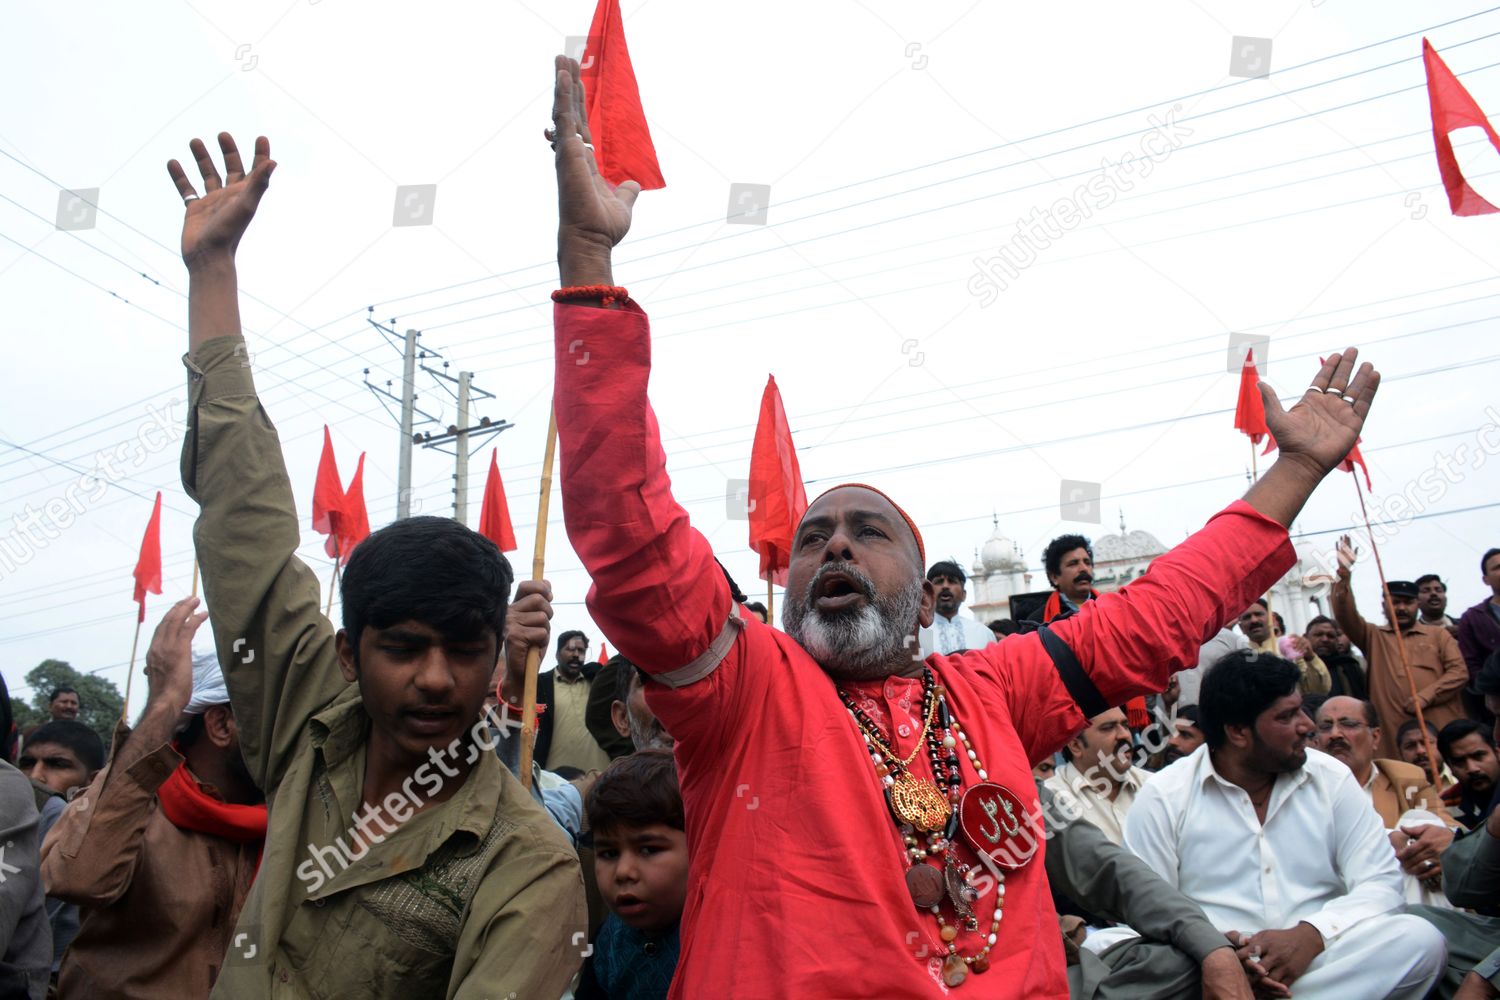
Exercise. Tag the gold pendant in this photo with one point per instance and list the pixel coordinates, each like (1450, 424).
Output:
(919, 803)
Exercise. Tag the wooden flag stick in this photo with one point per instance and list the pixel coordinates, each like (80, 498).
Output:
(1390, 610)
(770, 602)
(538, 560)
(195, 576)
(333, 582)
(130, 673)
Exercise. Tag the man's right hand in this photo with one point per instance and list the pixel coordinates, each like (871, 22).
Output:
(214, 223)
(528, 626)
(1347, 553)
(593, 215)
(169, 659)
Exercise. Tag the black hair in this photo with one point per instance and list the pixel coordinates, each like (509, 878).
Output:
(1238, 688)
(83, 741)
(635, 791)
(1311, 703)
(1484, 560)
(1411, 724)
(567, 772)
(735, 593)
(569, 636)
(1320, 620)
(1460, 729)
(1190, 713)
(1487, 681)
(431, 570)
(947, 568)
(1061, 546)
(759, 609)
(64, 689)
(1430, 578)
(1259, 600)
(1280, 621)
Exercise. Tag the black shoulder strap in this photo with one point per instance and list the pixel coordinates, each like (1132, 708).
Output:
(1074, 678)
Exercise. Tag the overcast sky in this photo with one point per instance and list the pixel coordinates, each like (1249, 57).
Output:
(901, 144)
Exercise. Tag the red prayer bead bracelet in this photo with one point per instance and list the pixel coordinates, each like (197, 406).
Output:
(608, 295)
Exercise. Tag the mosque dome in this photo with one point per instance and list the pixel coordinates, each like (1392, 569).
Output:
(1127, 546)
(1000, 554)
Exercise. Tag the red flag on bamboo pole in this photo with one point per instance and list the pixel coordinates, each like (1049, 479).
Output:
(351, 522)
(1454, 108)
(1355, 458)
(1250, 410)
(777, 498)
(328, 490)
(617, 122)
(148, 565)
(494, 513)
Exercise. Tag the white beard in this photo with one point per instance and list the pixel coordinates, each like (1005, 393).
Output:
(876, 641)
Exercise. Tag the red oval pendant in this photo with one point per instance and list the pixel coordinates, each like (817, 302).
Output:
(999, 825)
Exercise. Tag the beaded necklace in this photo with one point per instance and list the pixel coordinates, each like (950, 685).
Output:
(923, 813)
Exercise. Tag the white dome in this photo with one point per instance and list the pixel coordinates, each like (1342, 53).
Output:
(1130, 545)
(999, 554)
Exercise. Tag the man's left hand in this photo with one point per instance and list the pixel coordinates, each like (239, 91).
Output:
(1420, 855)
(1284, 955)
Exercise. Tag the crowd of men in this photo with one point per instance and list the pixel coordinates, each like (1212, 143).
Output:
(1151, 792)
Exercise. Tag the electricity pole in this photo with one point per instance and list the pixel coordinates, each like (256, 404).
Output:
(408, 398)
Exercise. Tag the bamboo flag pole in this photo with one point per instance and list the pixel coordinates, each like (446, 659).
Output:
(538, 560)
(770, 602)
(1390, 610)
(130, 673)
(195, 576)
(333, 582)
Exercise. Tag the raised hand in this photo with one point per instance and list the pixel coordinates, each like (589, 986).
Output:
(528, 626)
(1324, 424)
(169, 658)
(216, 220)
(593, 215)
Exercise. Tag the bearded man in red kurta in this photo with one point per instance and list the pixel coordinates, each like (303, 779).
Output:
(862, 823)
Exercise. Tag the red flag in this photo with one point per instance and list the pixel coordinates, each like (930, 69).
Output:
(1250, 410)
(148, 566)
(351, 522)
(617, 122)
(1453, 108)
(777, 497)
(1355, 458)
(603, 653)
(328, 493)
(494, 513)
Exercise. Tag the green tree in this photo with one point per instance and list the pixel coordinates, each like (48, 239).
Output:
(101, 700)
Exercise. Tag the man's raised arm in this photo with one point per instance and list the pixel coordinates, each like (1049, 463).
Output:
(264, 601)
(656, 593)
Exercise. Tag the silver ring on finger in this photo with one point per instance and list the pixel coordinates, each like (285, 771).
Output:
(1427, 864)
(1347, 398)
(189, 197)
(1316, 388)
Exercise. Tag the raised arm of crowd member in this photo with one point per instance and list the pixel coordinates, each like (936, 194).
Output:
(402, 859)
(1341, 599)
(92, 852)
(268, 625)
(1179, 954)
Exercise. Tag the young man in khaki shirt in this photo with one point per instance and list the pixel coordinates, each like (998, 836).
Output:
(402, 859)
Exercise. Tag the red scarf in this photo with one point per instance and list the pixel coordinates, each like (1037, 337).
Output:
(1135, 709)
(189, 807)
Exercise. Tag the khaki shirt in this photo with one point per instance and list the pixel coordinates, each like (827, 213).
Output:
(158, 903)
(476, 897)
(572, 743)
(1437, 669)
